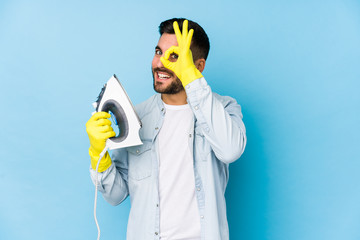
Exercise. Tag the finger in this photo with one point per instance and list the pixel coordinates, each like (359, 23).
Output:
(167, 64)
(165, 60)
(177, 32)
(104, 129)
(99, 115)
(185, 29)
(189, 37)
(109, 134)
(102, 122)
(96, 117)
(171, 50)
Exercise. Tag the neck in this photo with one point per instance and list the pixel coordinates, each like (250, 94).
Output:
(175, 99)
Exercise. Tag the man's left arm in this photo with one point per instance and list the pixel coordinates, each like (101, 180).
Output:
(220, 119)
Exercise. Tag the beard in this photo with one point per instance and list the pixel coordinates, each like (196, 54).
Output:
(174, 87)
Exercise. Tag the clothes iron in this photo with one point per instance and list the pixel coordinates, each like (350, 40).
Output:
(114, 100)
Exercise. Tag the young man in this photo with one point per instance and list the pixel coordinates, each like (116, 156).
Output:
(177, 179)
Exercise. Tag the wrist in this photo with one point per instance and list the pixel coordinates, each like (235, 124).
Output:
(190, 75)
(95, 151)
(105, 161)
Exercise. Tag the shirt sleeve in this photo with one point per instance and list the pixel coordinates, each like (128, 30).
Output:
(113, 182)
(220, 119)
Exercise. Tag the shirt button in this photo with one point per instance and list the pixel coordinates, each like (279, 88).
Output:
(196, 107)
(198, 189)
(202, 216)
(156, 128)
(190, 135)
(156, 233)
(157, 205)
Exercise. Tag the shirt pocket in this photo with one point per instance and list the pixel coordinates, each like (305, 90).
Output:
(139, 160)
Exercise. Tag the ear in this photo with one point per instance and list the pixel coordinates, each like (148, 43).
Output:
(200, 64)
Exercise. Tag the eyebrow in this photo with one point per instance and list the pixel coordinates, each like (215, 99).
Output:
(157, 47)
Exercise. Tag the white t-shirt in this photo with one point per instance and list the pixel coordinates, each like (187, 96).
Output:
(179, 214)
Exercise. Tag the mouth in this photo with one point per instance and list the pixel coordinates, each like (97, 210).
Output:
(162, 75)
(166, 82)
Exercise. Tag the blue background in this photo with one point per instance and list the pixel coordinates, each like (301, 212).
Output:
(292, 65)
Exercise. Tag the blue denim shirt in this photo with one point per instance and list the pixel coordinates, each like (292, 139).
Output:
(217, 139)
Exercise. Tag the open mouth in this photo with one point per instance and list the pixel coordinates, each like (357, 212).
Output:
(163, 76)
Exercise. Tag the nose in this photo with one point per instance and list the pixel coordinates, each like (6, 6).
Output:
(156, 61)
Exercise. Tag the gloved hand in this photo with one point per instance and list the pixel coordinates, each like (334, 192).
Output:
(99, 129)
(184, 67)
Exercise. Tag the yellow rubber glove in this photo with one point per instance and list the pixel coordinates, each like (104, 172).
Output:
(99, 129)
(184, 67)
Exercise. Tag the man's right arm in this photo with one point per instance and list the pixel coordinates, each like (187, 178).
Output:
(112, 173)
(113, 182)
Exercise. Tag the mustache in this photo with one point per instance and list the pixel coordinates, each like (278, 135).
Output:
(163, 70)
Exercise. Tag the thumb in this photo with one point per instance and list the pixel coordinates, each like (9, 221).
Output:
(167, 64)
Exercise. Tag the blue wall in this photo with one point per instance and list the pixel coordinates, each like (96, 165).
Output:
(293, 66)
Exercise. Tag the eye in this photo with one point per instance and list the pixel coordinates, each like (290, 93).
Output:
(174, 56)
(158, 52)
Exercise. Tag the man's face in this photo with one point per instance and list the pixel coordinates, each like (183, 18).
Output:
(165, 80)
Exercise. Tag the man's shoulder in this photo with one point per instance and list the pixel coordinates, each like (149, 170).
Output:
(230, 105)
(225, 100)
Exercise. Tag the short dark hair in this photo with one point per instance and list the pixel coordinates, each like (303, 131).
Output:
(200, 44)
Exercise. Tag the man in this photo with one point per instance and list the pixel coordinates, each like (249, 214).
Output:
(177, 179)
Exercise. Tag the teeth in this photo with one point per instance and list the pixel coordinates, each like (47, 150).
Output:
(163, 75)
